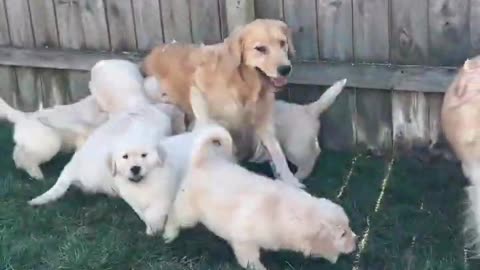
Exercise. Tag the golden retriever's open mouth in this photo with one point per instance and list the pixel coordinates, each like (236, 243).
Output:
(277, 82)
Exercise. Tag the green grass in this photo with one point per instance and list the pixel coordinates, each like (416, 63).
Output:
(415, 225)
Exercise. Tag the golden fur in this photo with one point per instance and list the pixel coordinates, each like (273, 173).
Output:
(461, 125)
(238, 77)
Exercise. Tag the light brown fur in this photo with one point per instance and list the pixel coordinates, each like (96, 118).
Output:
(238, 78)
(461, 125)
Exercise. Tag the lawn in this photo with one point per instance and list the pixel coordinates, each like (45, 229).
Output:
(408, 215)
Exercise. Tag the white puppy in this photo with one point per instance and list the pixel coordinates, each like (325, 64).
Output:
(297, 128)
(40, 135)
(90, 168)
(117, 84)
(252, 212)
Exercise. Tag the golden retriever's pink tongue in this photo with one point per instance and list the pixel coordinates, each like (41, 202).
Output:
(279, 81)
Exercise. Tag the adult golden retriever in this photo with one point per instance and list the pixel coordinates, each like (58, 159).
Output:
(238, 77)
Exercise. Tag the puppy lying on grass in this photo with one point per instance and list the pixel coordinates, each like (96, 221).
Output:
(297, 128)
(40, 135)
(252, 212)
(91, 167)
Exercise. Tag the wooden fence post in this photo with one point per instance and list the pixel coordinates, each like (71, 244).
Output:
(239, 12)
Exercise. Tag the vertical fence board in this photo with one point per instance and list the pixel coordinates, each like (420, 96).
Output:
(269, 9)
(409, 37)
(8, 82)
(94, 24)
(148, 24)
(335, 42)
(205, 20)
(176, 20)
(69, 21)
(371, 44)
(474, 27)
(21, 35)
(448, 27)
(49, 82)
(239, 13)
(121, 25)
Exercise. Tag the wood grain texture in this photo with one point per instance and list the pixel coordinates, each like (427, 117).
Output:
(239, 13)
(44, 24)
(21, 34)
(121, 25)
(371, 44)
(335, 33)
(69, 21)
(205, 18)
(176, 20)
(8, 81)
(474, 27)
(94, 24)
(148, 23)
(449, 27)
(300, 16)
(409, 45)
(269, 9)
(4, 34)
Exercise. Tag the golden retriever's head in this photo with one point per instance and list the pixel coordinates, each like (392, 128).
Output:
(266, 46)
(135, 162)
(332, 235)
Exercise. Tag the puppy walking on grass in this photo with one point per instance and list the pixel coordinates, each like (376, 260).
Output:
(252, 212)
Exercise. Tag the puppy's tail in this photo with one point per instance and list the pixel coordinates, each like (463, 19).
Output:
(57, 191)
(326, 100)
(214, 140)
(9, 113)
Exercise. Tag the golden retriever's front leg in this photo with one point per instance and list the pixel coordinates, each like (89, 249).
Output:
(269, 140)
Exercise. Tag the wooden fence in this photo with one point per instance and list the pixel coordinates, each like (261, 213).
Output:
(399, 55)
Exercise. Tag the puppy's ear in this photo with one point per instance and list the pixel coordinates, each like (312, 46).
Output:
(162, 156)
(288, 34)
(234, 44)
(112, 166)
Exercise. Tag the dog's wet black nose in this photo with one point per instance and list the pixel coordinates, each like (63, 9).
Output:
(135, 170)
(284, 70)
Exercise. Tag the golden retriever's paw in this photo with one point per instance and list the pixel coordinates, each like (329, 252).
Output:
(170, 235)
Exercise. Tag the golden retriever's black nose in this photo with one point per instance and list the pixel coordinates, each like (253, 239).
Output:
(135, 170)
(284, 70)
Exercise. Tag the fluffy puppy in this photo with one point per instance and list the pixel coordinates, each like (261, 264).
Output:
(238, 78)
(90, 168)
(117, 84)
(297, 128)
(40, 135)
(144, 180)
(460, 118)
(252, 212)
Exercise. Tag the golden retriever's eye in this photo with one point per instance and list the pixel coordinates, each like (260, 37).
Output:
(125, 156)
(282, 43)
(144, 155)
(261, 49)
(216, 142)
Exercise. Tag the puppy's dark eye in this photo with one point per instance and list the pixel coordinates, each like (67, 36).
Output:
(216, 142)
(125, 156)
(261, 49)
(282, 43)
(344, 233)
(144, 155)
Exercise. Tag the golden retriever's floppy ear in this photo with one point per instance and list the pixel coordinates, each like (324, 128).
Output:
(112, 166)
(288, 33)
(234, 44)
(162, 156)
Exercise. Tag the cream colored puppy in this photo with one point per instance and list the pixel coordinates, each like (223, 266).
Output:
(144, 179)
(117, 84)
(252, 212)
(91, 166)
(297, 128)
(40, 135)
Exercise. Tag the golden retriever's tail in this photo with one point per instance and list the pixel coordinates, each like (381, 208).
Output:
(9, 113)
(213, 141)
(58, 190)
(327, 99)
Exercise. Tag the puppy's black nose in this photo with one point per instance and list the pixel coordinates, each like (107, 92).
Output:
(135, 170)
(284, 70)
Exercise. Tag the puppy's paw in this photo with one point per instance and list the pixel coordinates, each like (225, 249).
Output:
(342, 83)
(294, 182)
(169, 235)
